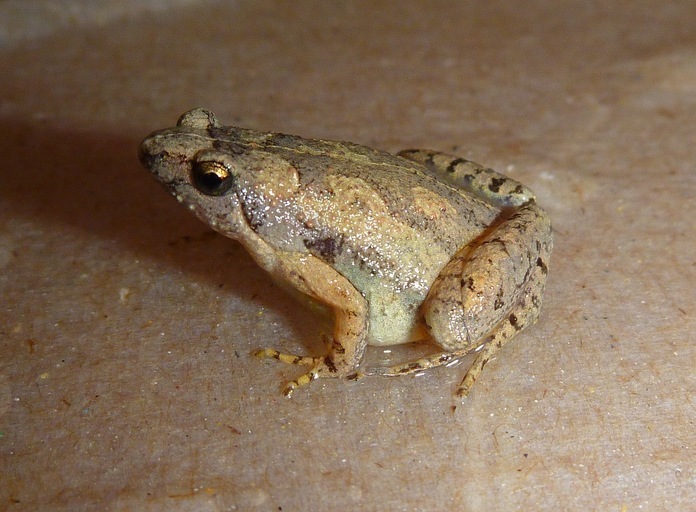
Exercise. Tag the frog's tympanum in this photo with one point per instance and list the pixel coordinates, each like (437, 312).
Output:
(419, 245)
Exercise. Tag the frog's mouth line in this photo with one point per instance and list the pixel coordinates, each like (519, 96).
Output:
(175, 186)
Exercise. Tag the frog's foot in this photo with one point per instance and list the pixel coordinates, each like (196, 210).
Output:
(302, 380)
(321, 367)
(476, 367)
(318, 371)
(441, 359)
(270, 353)
(425, 363)
(525, 314)
(324, 368)
(315, 362)
(484, 353)
(318, 364)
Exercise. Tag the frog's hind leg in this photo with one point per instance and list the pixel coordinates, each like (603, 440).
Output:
(481, 181)
(487, 293)
(526, 315)
(525, 312)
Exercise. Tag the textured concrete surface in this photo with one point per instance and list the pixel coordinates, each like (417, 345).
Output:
(126, 326)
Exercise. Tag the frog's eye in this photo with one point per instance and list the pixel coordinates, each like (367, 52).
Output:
(211, 177)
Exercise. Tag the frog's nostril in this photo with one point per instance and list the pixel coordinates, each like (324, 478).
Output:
(150, 153)
(145, 156)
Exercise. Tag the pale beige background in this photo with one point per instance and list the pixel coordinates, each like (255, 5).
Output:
(126, 326)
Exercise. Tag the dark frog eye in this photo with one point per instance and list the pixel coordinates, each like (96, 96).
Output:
(211, 177)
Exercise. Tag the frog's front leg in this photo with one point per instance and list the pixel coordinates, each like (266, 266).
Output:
(486, 294)
(323, 284)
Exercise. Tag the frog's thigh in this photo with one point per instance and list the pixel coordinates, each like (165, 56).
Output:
(322, 283)
(483, 283)
(481, 181)
(524, 312)
(487, 293)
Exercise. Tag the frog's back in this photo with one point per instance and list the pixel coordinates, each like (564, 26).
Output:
(436, 210)
(406, 187)
(300, 150)
(376, 217)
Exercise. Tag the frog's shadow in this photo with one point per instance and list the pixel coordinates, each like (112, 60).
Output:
(59, 180)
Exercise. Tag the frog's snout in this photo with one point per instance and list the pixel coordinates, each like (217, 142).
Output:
(154, 156)
(145, 154)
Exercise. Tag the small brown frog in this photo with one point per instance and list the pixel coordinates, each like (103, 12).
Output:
(400, 247)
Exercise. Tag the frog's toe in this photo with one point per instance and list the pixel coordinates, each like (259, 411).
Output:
(466, 385)
(355, 376)
(320, 370)
(270, 353)
(302, 380)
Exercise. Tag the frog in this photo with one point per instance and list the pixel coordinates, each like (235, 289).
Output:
(418, 245)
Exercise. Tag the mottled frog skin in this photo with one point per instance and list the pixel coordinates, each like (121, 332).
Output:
(400, 247)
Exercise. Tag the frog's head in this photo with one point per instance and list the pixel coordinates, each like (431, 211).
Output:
(186, 161)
